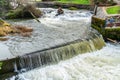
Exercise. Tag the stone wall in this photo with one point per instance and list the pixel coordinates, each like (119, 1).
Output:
(107, 32)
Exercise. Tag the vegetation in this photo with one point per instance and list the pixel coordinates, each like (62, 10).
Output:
(104, 2)
(76, 1)
(113, 10)
(98, 22)
(0, 65)
(3, 6)
(112, 33)
(23, 12)
(73, 8)
(6, 28)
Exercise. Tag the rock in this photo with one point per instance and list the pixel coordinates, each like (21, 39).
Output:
(59, 11)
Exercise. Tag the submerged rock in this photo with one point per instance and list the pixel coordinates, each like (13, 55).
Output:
(59, 11)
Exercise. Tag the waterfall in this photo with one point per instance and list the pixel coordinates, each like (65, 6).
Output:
(15, 67)
(55, 39)
(102, 64)
(51, 56)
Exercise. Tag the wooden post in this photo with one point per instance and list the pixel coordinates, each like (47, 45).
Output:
(114, 41)
(95, 9)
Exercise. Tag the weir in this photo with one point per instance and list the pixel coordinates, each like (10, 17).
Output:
(53, 55)
(73, 37)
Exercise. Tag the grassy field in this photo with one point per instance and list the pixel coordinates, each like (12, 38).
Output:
(113, 10)
(72, 1)
(75, 1)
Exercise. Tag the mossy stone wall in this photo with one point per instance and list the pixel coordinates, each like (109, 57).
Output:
(112, 33)
(98, 22)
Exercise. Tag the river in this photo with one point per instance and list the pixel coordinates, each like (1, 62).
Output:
(103, 64)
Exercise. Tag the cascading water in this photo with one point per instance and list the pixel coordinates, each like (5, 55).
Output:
(99, 65)
(53, 30)
(57, 38)
(56, 54)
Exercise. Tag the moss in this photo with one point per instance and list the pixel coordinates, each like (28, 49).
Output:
(113, 33)
(72, 8)
(0, 65)
(98, 22)
(14, 14)
(23, 12)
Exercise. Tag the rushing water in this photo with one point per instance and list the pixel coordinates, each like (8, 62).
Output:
(99, 65)
(53, 30)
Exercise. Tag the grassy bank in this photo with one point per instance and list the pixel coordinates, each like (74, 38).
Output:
(113, 10)
(75, 1)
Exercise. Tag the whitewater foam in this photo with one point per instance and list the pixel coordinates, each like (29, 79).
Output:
(99, 65)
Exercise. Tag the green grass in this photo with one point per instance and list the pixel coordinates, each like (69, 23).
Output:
(75, 1)
(113, 10)
(72, 1)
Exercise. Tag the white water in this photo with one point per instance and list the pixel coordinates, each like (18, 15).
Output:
(53, 30)
(50, 13)
(99, 65)
(5, 52)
